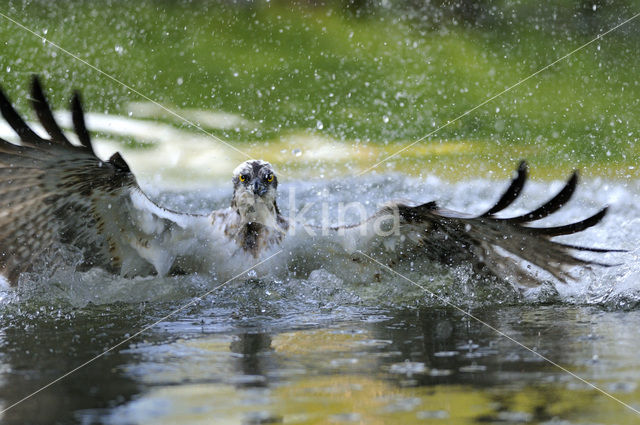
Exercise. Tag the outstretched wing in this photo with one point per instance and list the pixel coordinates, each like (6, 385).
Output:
(53, 191)
(497, 245)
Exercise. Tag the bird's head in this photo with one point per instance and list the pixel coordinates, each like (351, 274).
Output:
(254, 192)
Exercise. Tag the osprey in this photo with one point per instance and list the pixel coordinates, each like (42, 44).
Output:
(54, 192)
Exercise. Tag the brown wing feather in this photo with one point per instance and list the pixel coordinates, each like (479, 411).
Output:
(48, 189)
(453, 236)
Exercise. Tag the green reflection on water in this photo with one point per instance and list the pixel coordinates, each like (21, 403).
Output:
(347, 374)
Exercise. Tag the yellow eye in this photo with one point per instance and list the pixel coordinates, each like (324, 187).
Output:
(270, 178)
(242, 178)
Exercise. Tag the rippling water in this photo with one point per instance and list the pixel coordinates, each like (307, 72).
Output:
(318, 348)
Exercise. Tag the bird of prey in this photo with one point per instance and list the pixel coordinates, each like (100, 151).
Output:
(53, 192)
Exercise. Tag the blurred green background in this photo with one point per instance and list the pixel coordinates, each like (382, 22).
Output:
(365, 73)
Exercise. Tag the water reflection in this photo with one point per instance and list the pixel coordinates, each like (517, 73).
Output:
(425, 365)
(254, 362)
(39, 346)
(417, 366)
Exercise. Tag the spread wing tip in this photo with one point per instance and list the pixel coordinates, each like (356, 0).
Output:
(79, 125)
(546, 209)
(552, 205)
(512, 192)
(41, 106)
(27, 136)
(569, 229)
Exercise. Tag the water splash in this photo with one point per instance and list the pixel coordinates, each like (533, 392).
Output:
(616, 287)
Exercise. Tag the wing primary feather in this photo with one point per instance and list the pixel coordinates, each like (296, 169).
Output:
(41, 106)
(569, 229)
(512, 192)
(552, 205)
(27, 136)
(589, 249)
(79, 125)
(52, 191)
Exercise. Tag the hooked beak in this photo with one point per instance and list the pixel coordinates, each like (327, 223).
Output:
(259, 188)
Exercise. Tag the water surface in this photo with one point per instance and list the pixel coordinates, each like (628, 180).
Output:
(320, 349)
